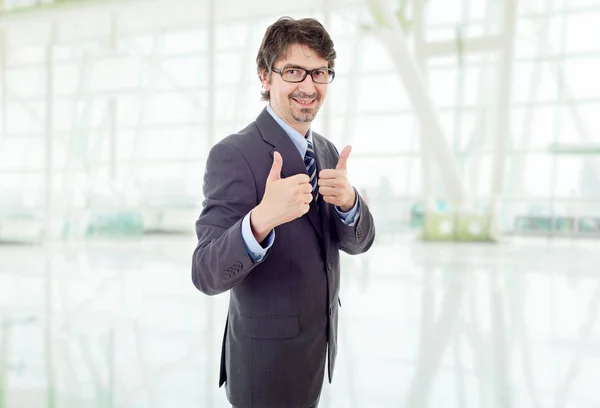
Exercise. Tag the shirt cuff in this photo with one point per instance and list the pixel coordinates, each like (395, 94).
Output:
(255, 250)
(349, 218)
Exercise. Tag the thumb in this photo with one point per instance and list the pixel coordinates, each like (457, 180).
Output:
(343, 160)
(275, 173)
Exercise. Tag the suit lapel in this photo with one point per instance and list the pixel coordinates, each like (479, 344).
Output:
(293, 164)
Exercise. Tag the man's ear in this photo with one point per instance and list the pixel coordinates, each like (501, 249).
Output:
(265, 79)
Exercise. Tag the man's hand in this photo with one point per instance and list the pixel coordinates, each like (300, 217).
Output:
(285, 200)
(334, 185)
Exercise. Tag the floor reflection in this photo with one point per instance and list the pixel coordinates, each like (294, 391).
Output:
(119, 324)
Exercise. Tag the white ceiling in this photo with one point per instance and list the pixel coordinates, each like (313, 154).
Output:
(93, 18)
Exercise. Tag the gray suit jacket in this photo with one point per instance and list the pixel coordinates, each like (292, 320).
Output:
(283, 310)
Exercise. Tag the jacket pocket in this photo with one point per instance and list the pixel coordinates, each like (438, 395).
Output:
(283, 327)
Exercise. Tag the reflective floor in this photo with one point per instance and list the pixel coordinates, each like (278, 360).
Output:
(119, 324)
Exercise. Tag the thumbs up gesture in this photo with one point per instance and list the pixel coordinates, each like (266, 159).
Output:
(285, 199)
(334, 185)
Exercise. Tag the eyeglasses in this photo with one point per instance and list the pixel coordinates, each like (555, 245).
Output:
(294, 74)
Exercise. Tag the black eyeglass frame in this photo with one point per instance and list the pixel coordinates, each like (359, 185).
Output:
(306, 73)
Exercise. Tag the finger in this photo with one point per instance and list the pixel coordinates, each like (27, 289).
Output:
(299, 179)
(330, 174)
(330, 199)
(275, 173)
(333, 182)
(343, 160)
(305, 188)
(328, 191)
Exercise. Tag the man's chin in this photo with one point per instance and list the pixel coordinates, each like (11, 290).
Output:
(304, 118)
(305, 115)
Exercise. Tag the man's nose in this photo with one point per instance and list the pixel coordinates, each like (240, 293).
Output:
(307, 86)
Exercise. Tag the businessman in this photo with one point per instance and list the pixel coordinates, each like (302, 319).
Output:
(278, 209)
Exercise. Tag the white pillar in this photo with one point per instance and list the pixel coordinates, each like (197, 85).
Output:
(3, 82)
(48, 136)
(392, 36)
(112, 109)
(48, 220)
(504, 106)
(210, 326)
(427, 161)
(112, 140)
(516, 180)
(352, 88)
(327, 107)
(212, 86)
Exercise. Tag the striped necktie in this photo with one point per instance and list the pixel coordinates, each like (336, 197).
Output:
(311, 167)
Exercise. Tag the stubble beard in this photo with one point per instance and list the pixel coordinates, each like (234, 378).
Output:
(304, 115)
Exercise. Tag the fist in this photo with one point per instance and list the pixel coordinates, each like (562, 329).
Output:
(285, 199)
(334, 185)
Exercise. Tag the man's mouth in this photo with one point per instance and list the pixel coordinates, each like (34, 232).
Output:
(304, 102)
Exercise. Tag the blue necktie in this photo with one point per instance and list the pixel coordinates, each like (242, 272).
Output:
(311, 167)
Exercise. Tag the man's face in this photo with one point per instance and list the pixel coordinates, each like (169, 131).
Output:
(296, 103)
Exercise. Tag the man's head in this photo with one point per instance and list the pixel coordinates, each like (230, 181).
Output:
(289, 48)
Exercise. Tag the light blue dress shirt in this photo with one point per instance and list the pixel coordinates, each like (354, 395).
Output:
(257, 251)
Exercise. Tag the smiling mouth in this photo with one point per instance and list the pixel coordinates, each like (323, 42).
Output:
(304, 102)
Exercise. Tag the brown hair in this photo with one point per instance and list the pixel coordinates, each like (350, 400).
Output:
(287, 31)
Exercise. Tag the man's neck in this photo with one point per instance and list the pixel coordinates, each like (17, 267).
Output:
(302, 130)
(300, 127)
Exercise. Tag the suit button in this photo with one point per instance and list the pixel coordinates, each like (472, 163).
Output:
(330, 312)
(329, 266)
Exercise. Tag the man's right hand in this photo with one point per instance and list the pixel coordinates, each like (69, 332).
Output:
(285, 200)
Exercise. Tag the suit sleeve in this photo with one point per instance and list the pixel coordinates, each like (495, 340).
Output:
(357, 238)
(221, 259)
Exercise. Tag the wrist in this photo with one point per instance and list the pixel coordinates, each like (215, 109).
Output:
(351, 202)
(260, 226)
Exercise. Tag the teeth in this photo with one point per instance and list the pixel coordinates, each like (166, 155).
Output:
(304, 102)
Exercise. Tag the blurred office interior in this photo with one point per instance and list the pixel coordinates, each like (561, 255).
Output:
(476, 141)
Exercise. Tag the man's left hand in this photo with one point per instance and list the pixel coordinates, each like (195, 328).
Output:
(334, 185)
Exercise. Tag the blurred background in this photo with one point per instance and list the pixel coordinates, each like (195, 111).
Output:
(476, 142)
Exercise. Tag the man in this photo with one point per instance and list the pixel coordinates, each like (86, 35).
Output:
(278, 208)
